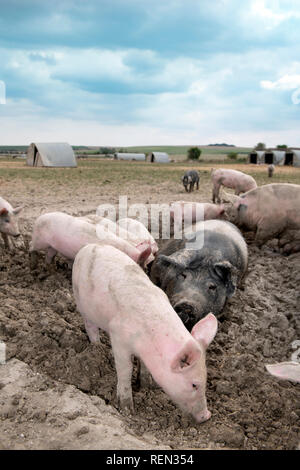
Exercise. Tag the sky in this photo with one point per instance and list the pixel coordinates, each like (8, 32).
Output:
(159, 72)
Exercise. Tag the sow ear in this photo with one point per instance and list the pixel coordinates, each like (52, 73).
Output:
(228, 275)
(17, 210)
(167, 260)
(3, 212)
(205, 330)
(186, 357)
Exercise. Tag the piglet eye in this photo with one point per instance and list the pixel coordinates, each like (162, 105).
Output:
(183, 275)
(195, 386)
(212, 286)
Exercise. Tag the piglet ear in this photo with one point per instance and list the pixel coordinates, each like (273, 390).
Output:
(186, 357)
(3, 212)
(285, 370)
(205, 330)
(17, 210)
(145, 251)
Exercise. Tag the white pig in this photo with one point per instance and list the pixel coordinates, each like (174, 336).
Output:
(58, 232)
(8, 221)
(285, 370)
(114, 294)
(196, 211)
(234, 179)
(138, 232)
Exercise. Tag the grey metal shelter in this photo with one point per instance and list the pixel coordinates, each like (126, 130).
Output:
(130, 156)
(159, 157)
(256, 156)
(292, 157)
(276, 157)
(51, 155)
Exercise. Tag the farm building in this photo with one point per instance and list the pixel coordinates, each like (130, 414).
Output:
(158, 157)
(256, 156)
(276, 157)
(51, 155)
(130, 156)
(292, 157)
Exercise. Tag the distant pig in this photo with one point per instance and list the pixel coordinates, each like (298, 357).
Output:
(272, 210)
(189, 179)
(8, 221)
(285, 370)
(114, 294)
(58, 232)
(233, 179)
(199, 280)
(271, 169)
(196, 211)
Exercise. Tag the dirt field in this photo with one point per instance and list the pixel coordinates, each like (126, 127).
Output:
(58, 392)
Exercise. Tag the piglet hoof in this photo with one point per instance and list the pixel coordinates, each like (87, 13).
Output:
(126, 405)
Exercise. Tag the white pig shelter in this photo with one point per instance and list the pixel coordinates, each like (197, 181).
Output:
(292, 157)
(256, 156)
(276, 157)
(51, 155)
(158, 157)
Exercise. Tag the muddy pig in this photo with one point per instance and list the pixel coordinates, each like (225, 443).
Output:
(272, 210)
(189, 179)
(58, 232)
(114, 294)
(8, 221)
(199, 280)
(233, 179)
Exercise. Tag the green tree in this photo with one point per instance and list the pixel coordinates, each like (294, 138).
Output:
(194, 153)
(260, 146)
(233, 155)
(282, 146)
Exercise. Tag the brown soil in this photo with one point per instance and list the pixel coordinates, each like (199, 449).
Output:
(42, 329)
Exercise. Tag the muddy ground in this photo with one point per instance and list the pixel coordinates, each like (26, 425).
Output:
(58, 392)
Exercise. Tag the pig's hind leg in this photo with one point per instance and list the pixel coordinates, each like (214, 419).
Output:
(92, 331)
(124, 367)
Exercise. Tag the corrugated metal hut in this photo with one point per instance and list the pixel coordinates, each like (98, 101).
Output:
(130, 156)
(51, 155)
(256, 156)
(276, 157)
(158, 157)
(292, 157)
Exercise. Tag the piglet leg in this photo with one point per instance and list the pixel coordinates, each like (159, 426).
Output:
(124, 368)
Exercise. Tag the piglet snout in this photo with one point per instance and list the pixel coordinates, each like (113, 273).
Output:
(203, 416)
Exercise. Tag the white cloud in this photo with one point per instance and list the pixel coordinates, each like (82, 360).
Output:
(287, 82)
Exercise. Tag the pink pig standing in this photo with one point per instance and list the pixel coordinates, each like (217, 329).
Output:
(196, 211)
(8, 221)
(114, 294)
(233, 179)
(57, 232)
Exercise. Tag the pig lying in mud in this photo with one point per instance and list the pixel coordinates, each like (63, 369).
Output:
(272, 211)
(233, 179)
(193, 212)
(285, 370)
(57, 232)
(8, 221)
(114, 294)
(198, 281)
